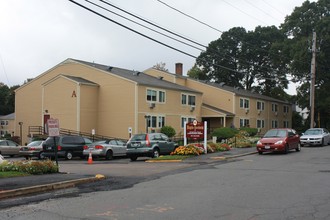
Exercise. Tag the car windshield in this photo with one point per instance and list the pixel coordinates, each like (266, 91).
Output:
(313, 132)
(275, 133)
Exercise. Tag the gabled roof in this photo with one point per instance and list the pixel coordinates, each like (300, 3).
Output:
(241, 92)
(237, 91)
(138, 77)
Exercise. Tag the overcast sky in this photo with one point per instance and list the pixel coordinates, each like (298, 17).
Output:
(36, 35)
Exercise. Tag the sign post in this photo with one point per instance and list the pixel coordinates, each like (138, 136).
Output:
(53, 131)
(196, 130)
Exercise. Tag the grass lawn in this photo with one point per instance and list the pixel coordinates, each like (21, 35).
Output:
(12, 174)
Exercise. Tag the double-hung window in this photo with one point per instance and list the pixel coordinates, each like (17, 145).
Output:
(260, 106)
(187, 99)
(156, 95)
(244, 103)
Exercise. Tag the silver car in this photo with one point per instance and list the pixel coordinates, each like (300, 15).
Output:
(315, 136)
(33, 149)
(9, 148)
(106, 148)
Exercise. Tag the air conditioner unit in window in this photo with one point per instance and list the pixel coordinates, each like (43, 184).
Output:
(152, 105)
(192, 108)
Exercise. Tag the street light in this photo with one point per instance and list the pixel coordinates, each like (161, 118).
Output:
(20, 131)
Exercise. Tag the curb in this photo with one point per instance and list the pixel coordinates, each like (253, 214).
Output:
(48, 187)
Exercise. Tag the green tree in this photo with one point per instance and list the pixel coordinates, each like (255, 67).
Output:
(298, 28)
(249, 60)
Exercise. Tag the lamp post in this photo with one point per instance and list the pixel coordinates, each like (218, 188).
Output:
(147, 117)
(20, 131)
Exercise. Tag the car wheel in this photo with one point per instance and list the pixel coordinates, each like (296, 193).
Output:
(155, 153)
(109, 155)
(68, 155)
(322, 144)
(260, 152)
(27, 157)
(133, 158)
(298, 147)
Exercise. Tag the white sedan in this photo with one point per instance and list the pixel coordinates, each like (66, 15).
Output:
(315, 136)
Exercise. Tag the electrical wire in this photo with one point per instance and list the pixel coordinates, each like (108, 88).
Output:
(216, 65)
(158, 32)
(150, 38)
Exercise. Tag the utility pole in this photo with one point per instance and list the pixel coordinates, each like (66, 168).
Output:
(312, 89)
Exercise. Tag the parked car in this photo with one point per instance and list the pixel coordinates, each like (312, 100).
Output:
(279, 140)
(9, 148)
(67, 146)
(106, 148)
(33, 149)
(315, 136)
(149, 145)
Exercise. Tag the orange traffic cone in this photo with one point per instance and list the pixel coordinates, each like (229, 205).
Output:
(90, 158)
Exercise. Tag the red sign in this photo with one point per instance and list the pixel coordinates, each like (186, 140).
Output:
(53, 127)
(195, 130)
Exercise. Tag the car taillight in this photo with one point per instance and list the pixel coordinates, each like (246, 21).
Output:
(86, 147)
(147, 140)
(32, 148)
(98, 147)
(59, 147)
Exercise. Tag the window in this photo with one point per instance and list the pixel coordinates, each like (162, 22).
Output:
(184, 99)
(244, 103)
(151, 95)
(274, 124)
(186, 119)
(274, 107)
(3, 122)
(286, 109)
(161, 121)
(260, 106)
(260, 123)
(285, 124)
(155, 95)
(244, 122)
(191, 100)
(156, 121)
(188, 99)
(161, 95)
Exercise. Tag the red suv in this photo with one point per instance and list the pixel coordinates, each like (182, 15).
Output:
(279, 140)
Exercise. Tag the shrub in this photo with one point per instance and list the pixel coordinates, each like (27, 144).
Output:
(29, 166)
(224, 133)
(168, 130)
(250, 131)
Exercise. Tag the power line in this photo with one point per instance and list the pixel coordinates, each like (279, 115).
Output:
(266, 13)
(199, 21)
(216, 65)
(158, 32)
(164, 29)
(150, 38)
(4, 69)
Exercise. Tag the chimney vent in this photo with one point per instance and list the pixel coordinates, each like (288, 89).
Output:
(178, 69)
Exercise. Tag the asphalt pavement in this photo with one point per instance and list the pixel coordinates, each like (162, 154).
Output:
(18, 186)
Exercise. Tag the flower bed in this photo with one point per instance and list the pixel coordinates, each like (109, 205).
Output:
(29, 166)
